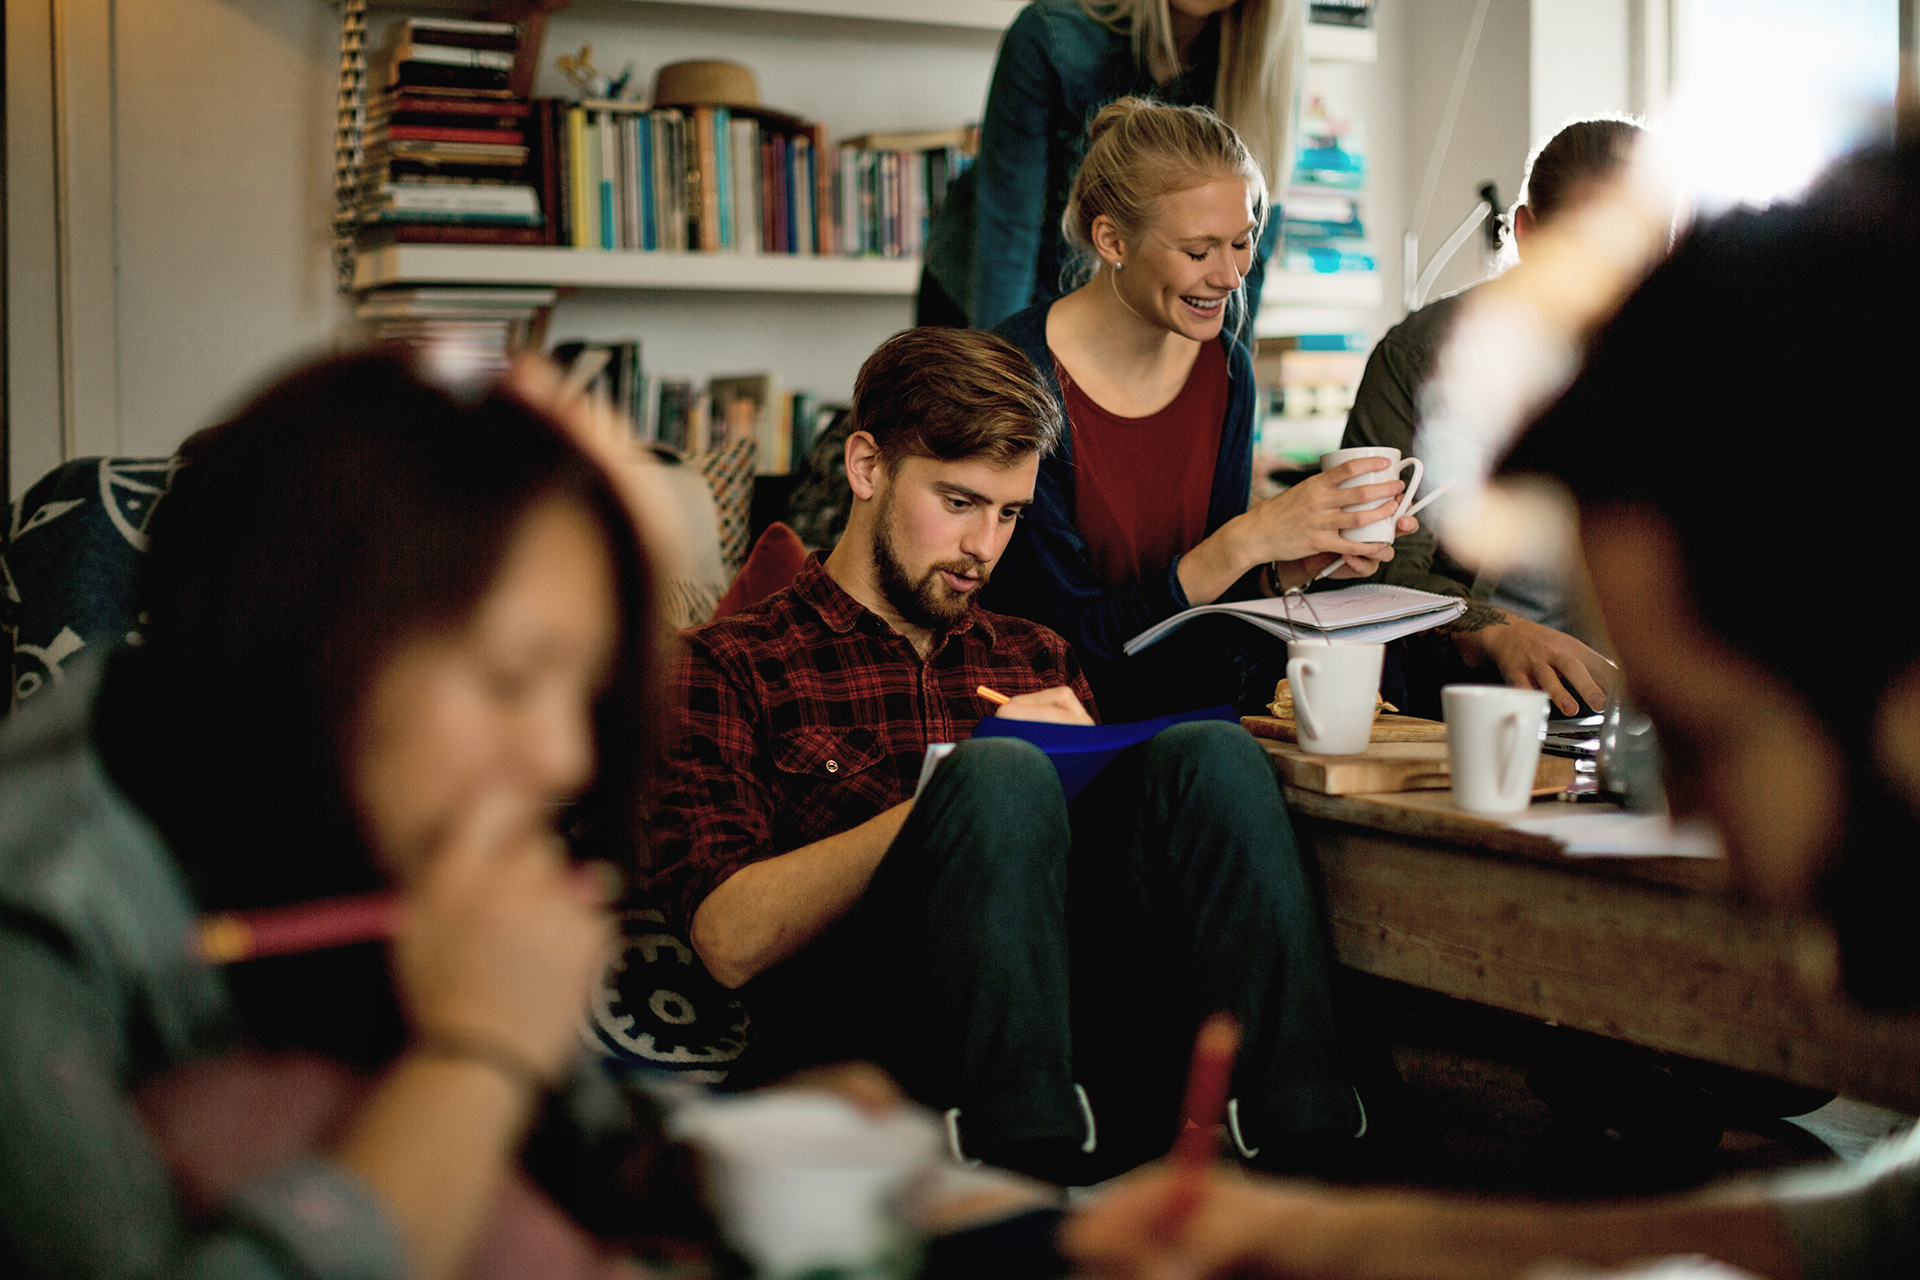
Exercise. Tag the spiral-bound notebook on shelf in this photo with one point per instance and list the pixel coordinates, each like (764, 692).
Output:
(1373, 612)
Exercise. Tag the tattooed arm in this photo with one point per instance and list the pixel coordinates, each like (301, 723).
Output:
(1530, 656)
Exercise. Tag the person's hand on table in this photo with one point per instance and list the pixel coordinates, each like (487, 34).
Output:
(1056, 706)
(503, 938)
(1363, 560)
(1531, 656)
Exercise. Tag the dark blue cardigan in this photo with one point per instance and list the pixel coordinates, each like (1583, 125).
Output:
(1046, 574)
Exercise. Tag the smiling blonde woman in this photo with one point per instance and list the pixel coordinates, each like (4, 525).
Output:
(994, 248)
(1142, 512)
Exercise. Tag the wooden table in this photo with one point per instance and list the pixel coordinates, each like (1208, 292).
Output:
(1654, 951)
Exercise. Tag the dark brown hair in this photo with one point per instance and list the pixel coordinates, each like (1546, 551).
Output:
(350, 508)
(951, 394)
(1582, 152)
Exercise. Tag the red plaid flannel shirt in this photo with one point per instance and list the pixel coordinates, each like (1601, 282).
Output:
(808, 715)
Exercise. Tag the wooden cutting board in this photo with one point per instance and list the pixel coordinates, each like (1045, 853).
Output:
(1387, 727)
(1391, 766)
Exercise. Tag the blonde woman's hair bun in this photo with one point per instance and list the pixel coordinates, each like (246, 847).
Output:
(1139, 150)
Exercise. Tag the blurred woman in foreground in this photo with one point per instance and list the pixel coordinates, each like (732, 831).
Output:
(398, 641)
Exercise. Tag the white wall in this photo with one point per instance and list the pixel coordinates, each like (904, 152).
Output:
(202, 266)
(1580, 65)
(224, 114)
(1490, 134)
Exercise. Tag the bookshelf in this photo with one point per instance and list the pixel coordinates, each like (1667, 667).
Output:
(420, 264)
(576, 269)
(977, 15)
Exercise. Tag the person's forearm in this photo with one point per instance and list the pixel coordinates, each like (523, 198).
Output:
(765, 912)
(1404, 1238)
(433, 1143)
(1216, 564)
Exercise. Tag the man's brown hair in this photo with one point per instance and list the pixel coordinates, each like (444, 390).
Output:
(952, 394)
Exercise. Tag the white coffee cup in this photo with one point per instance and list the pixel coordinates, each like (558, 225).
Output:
(1334, 690)
(1378, 530)
(1493, 745)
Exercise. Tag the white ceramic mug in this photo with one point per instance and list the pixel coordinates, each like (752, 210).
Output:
(1493, 744)
(1378, 530)
(1334, 691)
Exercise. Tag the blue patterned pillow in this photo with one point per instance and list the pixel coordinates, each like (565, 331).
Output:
(68, 564)
(656, 1009)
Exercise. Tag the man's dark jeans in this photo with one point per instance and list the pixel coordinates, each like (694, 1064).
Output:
(1011, 945)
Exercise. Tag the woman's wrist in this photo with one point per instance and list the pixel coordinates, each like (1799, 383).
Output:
(506, 1060)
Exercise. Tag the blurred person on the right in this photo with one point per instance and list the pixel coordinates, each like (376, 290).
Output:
(1524, 628)
(1799, 739)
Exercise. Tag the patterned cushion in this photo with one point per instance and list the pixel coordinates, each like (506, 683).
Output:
(656, 1009)
(69, 560)
(729, 470)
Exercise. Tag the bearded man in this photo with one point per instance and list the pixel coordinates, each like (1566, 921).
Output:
(1022, 963)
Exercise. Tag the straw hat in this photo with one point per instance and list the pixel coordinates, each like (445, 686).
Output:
(708, 82)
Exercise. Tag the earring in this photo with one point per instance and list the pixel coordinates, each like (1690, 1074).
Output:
(1118, 265)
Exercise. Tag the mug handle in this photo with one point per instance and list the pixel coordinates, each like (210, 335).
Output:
(1297, 668)
(1507, 749)
(1413, 486)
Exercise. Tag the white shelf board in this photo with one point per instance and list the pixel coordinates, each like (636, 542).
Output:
(978, 15)
(1322, 289)
(408, 264)
(1328, 43)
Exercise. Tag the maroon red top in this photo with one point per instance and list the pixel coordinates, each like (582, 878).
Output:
(807, 714)
(1141, 485)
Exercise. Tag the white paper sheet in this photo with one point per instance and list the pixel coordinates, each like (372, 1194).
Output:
(1624, 835)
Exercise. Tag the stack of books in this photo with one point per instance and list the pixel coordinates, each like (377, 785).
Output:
(1322, 228)
(463, 331)
(1341, 13)
(452, 155)
(716, 180)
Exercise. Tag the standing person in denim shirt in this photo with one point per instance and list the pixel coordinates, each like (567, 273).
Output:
(996, 246)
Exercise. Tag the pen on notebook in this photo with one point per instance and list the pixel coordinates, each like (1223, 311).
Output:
(1201, 1116)
(233, 936)
(994, 696)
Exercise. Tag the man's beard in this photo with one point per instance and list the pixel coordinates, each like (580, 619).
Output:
(928, 603)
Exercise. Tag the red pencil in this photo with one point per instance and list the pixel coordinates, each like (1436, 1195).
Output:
(309, 926)
(1201, 1116)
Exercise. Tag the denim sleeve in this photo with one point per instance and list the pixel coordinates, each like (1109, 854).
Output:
(84, 1192)
(1010, 177)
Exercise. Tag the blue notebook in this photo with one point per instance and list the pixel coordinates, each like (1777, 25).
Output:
(1081, 751)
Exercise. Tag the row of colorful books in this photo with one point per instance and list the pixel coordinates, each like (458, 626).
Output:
(713, 180)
